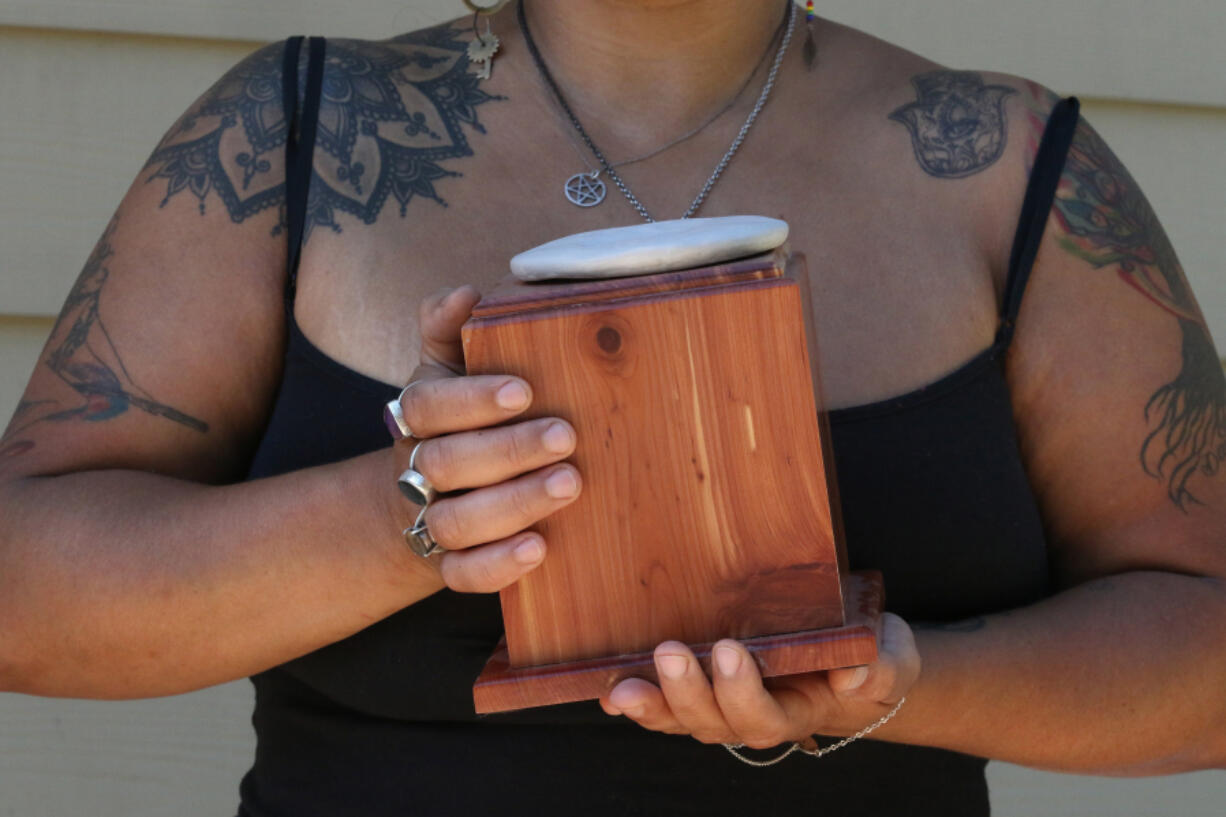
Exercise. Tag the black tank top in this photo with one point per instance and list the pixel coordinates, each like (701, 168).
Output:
(933, 494)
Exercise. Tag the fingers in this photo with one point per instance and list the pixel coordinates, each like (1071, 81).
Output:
(489, 569)
(440, 318)
(689, 695)
(889, 677)
(498, 511)
(475, 459)
(753, 714)
(443, 405)
(738, 709)
(644, 703)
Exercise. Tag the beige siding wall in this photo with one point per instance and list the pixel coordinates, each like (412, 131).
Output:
(89, 85)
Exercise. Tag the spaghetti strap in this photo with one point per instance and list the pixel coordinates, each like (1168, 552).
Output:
(1040, 194)
(299, 146)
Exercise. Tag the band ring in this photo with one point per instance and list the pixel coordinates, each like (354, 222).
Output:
(415, 486)
(419, 539)
(393, 416)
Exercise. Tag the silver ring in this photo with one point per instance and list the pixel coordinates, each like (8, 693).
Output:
(419, 539)
(393, 416)
(415, 486)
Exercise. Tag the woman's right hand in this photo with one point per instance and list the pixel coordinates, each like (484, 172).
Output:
(498, 477)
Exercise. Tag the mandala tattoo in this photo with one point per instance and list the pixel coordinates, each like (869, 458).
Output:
(957, 124)
(83, 355)
(390, 114)
(1108, 223)
(208, 152)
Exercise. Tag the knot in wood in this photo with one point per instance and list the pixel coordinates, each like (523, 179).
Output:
(609, 340)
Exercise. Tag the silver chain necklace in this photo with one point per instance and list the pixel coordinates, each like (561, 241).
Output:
(586, 189)
(590, 180)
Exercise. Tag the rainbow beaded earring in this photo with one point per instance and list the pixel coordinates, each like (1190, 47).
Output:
(810, 47)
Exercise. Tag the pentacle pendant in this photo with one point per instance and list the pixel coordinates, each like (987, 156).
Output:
(585, 189)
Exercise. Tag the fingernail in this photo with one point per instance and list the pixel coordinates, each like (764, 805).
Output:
(529, 551)
(619, 701)
(727, 660)
(562, 484)
(557, 438)
(857, 679)
(450, 298)
(672, 667)
(512, 396)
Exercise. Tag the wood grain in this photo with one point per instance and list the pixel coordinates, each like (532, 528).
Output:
(705, 510)
(502, 687)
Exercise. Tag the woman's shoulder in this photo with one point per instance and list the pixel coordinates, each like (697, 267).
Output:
(408, 57)
(372, 63)
(960, 122)
(422, 49)
(880, 72)
(964, 140)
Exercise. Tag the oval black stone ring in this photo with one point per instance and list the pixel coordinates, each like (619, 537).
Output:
(414, 485)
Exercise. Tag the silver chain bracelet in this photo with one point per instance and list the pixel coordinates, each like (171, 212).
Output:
(734, 748)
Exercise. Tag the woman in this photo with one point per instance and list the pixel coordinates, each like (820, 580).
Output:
(985, 441)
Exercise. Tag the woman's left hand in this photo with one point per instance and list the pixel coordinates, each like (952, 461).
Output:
(739, 708)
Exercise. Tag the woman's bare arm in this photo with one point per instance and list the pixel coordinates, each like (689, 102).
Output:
(128, 565)
(123, 572)
(130, 584)
(1121, 409)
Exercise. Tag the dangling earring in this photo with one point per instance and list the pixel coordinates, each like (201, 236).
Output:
(483, 47)
(810, 48)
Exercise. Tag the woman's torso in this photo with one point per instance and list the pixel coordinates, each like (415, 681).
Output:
(907, 269)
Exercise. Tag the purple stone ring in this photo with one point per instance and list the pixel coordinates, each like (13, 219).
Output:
(393, 416)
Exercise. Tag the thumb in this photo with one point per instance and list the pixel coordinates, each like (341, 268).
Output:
(440, 317)
(889, 677)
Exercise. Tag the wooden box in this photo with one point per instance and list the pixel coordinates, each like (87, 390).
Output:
(708, 507)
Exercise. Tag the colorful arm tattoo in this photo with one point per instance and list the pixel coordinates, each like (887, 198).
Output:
(83, 355)
(1107, 222)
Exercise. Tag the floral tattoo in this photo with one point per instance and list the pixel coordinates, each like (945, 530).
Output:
(1108, 223)
(83, 355)
(390, 115)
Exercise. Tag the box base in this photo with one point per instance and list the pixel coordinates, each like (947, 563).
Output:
(502, 688)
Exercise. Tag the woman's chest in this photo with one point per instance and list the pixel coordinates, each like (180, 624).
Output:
(901, 292)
